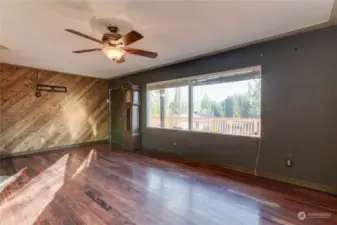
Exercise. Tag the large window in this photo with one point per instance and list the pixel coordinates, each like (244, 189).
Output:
(226, 103)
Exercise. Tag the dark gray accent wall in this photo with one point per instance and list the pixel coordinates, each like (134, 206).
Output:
(299, 109)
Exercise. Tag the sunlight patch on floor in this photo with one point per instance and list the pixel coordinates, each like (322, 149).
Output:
(85, 164)
(7, 180)
(26, 204)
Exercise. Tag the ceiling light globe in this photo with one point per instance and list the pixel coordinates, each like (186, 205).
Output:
(113, 53)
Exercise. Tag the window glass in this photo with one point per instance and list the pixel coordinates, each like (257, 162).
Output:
(168, 108)
(224, 103)
(232, 108)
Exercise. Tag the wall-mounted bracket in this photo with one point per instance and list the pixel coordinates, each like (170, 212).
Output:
(49, 88)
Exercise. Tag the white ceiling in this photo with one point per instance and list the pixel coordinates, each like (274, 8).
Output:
(33, 30)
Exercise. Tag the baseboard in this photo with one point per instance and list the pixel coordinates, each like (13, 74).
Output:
(238, 169)
(299, 183)
(18, 154)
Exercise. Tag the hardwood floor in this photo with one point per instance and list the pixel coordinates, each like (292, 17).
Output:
(94, 185)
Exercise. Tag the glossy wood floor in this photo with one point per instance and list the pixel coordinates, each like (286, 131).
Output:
(94, 185)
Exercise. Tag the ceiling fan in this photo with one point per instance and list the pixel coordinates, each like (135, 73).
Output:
(115, 44)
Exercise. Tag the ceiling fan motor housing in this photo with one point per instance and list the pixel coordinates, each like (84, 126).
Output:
(110, 37)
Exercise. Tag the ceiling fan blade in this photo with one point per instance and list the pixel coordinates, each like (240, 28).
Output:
(129, 38)
(88, 50)
(83, 35)
(121, 60)
(140, 52)
(3, 47)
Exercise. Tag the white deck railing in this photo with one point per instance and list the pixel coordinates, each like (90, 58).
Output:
(230, 126)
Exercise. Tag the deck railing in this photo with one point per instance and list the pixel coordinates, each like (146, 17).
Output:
(230, 126)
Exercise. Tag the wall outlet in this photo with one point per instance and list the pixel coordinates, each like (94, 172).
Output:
(289, 163)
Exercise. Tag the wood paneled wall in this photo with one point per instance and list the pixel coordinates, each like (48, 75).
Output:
(53, 120)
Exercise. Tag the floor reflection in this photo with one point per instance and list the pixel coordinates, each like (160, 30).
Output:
(204, 203)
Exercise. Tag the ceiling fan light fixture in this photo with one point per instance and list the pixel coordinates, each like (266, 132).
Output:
(113, 53)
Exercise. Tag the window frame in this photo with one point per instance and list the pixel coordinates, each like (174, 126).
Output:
(190, 80)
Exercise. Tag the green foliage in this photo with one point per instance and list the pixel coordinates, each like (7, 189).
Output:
(155, 103)
(235, 106)
(155, 109)
(206, 106)
(177, 107)
(217, 109)
(254, 92)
